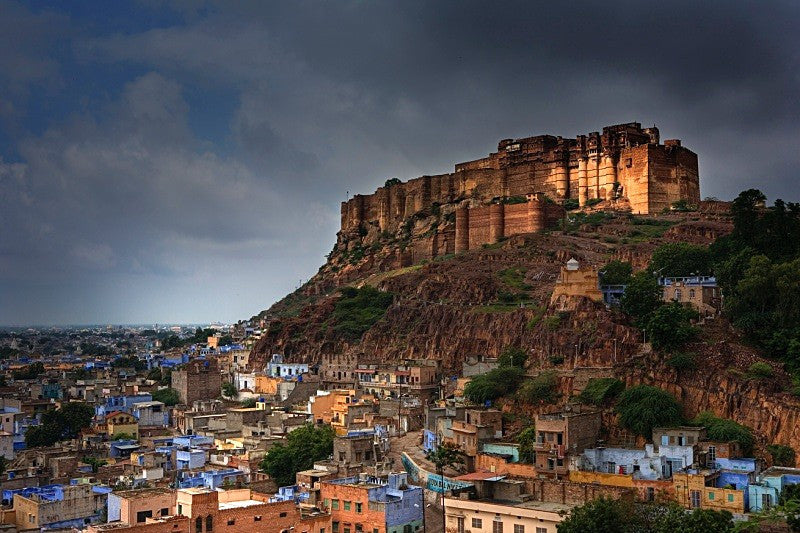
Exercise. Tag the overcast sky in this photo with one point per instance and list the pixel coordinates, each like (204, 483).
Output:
(184, 162)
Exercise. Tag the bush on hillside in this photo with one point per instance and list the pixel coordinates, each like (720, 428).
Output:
(493, 384)
(600, 391)
(643, 407)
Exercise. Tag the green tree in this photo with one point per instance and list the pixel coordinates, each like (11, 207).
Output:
(670, 326)
(642, 297)
(154, 374)
(60, 424)
(229, 390)
(541, 389)
(167, 396)
(677, 259)
(782, 455)
(600, 391)
(674, 519)
(602, 515)
(616, 273)
(726, 430)
(444, 456)
(249, 403)
(643, 407)
(513, 356)
(494, 384)
(527, 440)
(32, 371)
(303, 447)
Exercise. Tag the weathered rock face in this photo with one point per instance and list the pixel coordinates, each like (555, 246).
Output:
(451, 309)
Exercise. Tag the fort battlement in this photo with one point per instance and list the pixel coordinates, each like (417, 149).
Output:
(624, 162)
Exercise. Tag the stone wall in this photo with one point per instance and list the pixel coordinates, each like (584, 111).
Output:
(626, 160)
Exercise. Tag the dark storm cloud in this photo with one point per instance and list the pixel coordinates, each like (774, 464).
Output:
(119, 202)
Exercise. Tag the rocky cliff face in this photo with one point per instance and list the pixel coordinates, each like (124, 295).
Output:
(457, 307)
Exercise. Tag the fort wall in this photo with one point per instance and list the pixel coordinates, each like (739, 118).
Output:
(624, 161)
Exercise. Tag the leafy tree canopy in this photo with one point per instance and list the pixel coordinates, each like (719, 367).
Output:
(676, 259)
(669, 326)
(642, 297)
(726, 430)
(60, 424)
(494, 384)
(168, 396)
(303, 447)
(599, 391)
(643, 407)
(616, 273)
(513, 356)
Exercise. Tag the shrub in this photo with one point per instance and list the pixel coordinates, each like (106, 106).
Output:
(760, 370)
(527, 440)
(642, 297)
(643, 407)
(513, 356)
(391, 182)
(616, 273)
(682, 361)
(593, 201)
(514, 277)
(541, 389)
(493, 384)
(600, 391)
(357, 310)
(669, 326)
(726, 430)
(570, 204)
(552, 322)
(782, 455)
(168, 396)
(681, 259)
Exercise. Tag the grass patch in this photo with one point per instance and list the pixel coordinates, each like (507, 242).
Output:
(600, 391)
(358, 309)
(682, 361)
(759, 370)
(541, 389)
(514, 277)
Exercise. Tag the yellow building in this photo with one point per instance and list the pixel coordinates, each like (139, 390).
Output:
(697, 491)
(267, 384)
(478, 516)
(119, 422)
(574, 282)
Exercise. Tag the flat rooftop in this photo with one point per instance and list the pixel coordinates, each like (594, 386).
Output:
(238, 504)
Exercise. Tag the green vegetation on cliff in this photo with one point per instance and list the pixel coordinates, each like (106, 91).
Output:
(643, 407)
(357, 310)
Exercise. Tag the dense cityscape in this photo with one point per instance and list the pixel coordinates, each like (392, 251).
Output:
(399, 267)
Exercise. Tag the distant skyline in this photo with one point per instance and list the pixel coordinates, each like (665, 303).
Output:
(183, 162)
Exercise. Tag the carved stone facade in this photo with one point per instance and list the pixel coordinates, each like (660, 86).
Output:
(625, 161)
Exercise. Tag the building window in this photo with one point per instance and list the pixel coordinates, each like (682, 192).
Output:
(497, 526)
(257, 518)
(335, 527)
(231, 521)
(359, 528)
(209, 524)
(712, 453)
(327, 503)
(283, 515)
(335, 505)
(346, 505)
(180, 509)
(198, 524)
(691, 294)
(730, 497)
(519, 528)
(695, 502)
(651, 494)
(477, 523)
(358, 507)
(164, 511)
(710, 495)
(460, 524)
(766, 501)
(141, 516)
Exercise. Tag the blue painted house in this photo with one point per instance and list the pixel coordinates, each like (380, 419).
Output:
(766, 492)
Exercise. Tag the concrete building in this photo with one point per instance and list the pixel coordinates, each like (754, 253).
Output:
(199, 379)
(575, 282)
(478, 516)
(151, 413)
(58, 506)
(119, 423)
(559, 435)
(373, 504)
(766, 491)
(279, 368)
(700, 292)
